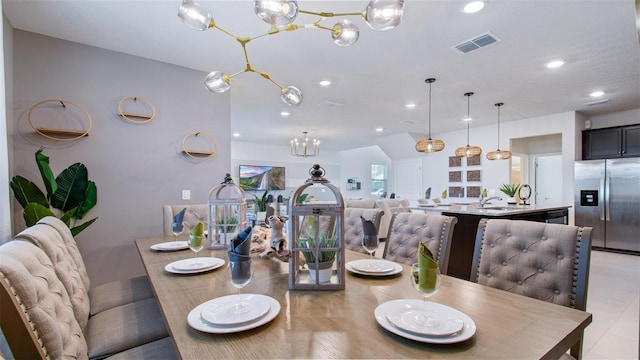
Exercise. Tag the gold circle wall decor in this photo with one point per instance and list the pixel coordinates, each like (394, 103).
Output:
(199, 154)
(133, 117)
(60, 134)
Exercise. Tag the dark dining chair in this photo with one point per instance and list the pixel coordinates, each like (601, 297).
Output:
(549, 262)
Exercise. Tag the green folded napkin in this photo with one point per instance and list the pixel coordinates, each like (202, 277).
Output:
(426, 262)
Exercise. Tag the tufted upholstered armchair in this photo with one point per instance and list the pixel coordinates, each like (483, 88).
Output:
(408, 229)
(549, 262)
(192, 216)
(353, 232)
(38, 318)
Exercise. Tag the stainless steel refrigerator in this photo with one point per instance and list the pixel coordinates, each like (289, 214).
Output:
(608, 199)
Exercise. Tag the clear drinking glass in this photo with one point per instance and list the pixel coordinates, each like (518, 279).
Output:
(425, 281)
(196, 243)
(240, 273)
(177, 228)
(370, 243)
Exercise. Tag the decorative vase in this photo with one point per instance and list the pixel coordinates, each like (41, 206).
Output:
(324, 271)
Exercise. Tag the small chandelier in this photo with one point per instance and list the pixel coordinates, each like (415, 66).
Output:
(499, 154)
(301, 149)
(429, 145)
(468, 151)
(280, 15)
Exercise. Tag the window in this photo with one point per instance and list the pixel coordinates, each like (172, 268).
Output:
(379, 180)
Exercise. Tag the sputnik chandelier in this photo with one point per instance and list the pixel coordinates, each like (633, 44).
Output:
(280, 15)
(301, 149)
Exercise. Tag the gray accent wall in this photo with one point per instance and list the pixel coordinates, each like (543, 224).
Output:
(137, 167)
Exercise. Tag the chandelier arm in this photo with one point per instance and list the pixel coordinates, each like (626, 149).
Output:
(328, 14)
(238, 73)
(214, 26)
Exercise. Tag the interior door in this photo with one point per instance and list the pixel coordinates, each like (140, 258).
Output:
(548, 180)
(409, 179)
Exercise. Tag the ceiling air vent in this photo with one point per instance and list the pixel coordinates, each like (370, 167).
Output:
(477, 42)
(597, 102)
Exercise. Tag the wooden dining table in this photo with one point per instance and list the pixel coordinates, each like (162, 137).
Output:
(341, 323)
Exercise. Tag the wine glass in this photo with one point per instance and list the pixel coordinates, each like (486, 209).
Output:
(370, 243)
(177, 228)
(240, 273)
(425, 280)
(196, 243)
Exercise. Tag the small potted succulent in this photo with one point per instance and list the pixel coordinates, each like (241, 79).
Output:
(510, 190)
(325, 258)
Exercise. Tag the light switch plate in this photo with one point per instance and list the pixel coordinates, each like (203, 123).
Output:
(186, 194)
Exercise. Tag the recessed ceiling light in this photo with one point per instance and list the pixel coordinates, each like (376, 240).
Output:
(325, 83)
(379, 129)
(473, 7)
(467, 119)
(410, 105)
(285, 113)
(555, 64)
(596, 93)
(235, 134)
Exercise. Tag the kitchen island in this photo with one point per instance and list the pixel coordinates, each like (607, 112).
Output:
(469, 215)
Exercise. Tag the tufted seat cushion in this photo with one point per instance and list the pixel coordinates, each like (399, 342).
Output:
(192, 216)
(408, 229)
(159, 349)
(353, 232)
(530, 258)
(31, 279)
(104, 296)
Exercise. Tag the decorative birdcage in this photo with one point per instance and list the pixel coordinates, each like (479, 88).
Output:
(227, 213)
(316, 240)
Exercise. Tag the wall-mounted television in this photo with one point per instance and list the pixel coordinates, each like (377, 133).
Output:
(260, 177)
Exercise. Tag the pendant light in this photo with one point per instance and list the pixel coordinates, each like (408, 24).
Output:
(499, 154)
(468, 151)
(429, 145)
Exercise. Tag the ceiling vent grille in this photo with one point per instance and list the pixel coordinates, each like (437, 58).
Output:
(597, 102)
(477, 42)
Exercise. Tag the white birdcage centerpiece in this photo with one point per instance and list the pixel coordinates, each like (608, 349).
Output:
(316, 231)
(226, 212)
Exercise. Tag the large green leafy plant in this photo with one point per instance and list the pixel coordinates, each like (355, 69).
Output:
(71, 193)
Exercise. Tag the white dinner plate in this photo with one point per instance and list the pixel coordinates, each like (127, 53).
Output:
(171, 246)
(431, 320)
(376, 266)
(197, 322)
(193, 265)
(222, 310)
(393, 306)
(396, 268)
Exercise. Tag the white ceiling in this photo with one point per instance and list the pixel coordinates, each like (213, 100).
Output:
(373, 79)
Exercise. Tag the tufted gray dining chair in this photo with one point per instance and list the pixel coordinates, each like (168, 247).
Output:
(193, 214)
(548, 262)
(408, 229)
(353, 231)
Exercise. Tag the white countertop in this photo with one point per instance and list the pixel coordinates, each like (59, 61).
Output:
(488, 209)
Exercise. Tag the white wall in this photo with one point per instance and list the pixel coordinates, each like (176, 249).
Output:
(5, 97)
(356, 163)
(615, 119)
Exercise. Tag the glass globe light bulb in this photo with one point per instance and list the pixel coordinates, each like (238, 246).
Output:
(276, 12)
(291, 96)
(194, 15)
(384, 14)
(345, 33)
(217, 82)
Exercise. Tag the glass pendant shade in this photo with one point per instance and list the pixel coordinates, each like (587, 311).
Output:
(384, 14)
(277, 12)
(429, 145)
(217, 82)
(194, 15)
(291, 96)
(345, 33)
(499, 154)
(468, 151)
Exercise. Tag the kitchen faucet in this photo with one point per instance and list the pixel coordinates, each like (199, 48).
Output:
(484, 201)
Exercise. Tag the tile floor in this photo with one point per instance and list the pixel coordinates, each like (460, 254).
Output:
(614, 301)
